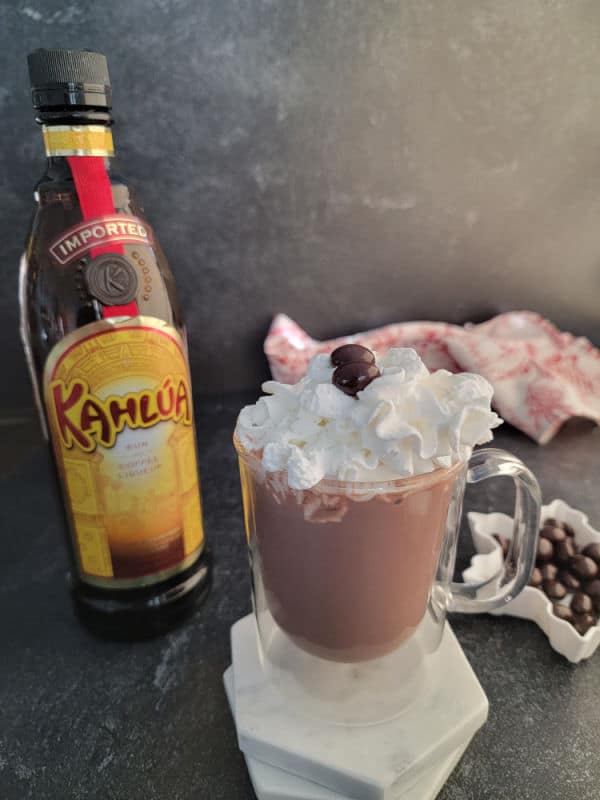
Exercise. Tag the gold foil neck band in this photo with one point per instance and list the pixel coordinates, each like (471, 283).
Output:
(78, 140)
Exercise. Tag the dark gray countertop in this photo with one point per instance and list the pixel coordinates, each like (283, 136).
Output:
(80, 718)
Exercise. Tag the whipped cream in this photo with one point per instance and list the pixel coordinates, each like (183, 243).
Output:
(406, 422)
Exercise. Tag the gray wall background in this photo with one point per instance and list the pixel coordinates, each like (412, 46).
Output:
(348, 162)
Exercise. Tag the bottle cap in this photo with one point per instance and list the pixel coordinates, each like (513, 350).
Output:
(68, 78)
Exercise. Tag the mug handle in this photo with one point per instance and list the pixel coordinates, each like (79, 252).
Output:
(492, 463)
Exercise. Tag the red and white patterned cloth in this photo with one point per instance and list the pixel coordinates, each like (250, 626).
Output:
(541, 377)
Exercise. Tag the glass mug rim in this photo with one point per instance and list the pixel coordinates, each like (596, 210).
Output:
(382, 486)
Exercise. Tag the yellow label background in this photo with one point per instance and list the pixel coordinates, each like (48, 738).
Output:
(135, 508)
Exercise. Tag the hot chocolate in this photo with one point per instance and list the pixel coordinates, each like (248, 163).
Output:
(347, 485)
(347, 578)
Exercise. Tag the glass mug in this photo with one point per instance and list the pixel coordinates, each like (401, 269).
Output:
(351, 582)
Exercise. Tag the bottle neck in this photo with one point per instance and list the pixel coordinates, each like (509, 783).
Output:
(69, 134)
(76, 132)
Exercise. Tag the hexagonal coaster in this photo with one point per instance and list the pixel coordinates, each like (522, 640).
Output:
(362, 762)
(271, 783)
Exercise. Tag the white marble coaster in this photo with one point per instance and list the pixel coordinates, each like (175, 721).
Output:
(271, 783)
(373, 762)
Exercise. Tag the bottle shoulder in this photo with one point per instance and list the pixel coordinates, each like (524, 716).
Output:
(56, 298)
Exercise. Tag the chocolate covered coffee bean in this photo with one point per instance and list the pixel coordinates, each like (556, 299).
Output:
(553, 534)
(569, 581)
(583, 622)
(592, 589)
(549, 571)
(581, 603)
(354, 377)
(584, 567)
(554, 590)
(352, 354)
(551, 522)
(592, 551)
(545, 549)
(562, 612)
(564, 551)
(536, 579)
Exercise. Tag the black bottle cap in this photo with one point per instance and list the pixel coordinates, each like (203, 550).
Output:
(69, 78)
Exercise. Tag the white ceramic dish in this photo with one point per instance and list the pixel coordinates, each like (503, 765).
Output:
(532, 603)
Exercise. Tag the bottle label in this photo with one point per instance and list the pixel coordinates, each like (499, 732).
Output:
(119, 407)
(78, 140)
